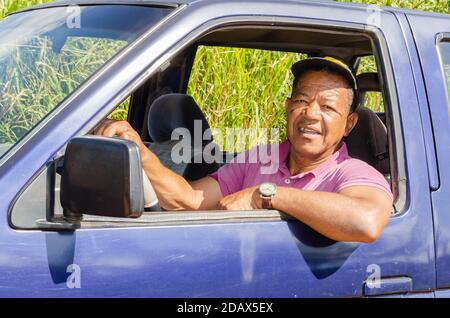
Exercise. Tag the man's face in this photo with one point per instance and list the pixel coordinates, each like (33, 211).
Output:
(318, 114)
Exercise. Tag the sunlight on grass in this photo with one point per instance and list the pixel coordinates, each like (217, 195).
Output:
(34, 79)
(8, 6)
(239, 88)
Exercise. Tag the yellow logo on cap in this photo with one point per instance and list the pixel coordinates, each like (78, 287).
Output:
(332, 59)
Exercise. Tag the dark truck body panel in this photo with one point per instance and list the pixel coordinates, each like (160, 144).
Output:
(250, 258)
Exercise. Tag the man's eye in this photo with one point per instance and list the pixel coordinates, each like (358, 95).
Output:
(327, 107)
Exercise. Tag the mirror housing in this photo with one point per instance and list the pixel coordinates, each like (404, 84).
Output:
(102, 176)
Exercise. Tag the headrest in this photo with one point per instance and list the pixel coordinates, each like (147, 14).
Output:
(368, 82)
(172, 111)
(368, 140)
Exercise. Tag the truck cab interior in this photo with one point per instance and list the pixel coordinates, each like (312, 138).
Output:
(162, 103)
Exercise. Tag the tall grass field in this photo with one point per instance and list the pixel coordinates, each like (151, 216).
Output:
(240, 88)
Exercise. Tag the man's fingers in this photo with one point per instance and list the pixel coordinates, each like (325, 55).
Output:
(110, 128)
(122, 129)
(224, 204)
(101, 127)
(116, 128)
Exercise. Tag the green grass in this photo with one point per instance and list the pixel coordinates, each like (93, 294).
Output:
(247, 88)
(34, 79)
(238, 88)
(242, 88)
(441, 6)
(8, 6)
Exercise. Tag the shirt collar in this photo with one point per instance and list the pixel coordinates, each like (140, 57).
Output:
(337, 157)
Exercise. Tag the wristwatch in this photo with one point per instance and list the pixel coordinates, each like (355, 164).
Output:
(267, 191)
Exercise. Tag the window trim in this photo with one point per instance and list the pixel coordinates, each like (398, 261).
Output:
(443, 38)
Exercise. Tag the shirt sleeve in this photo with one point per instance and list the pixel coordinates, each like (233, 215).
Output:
(358, 173)
(231, 176)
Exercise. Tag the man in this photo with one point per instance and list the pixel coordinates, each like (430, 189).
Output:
(316, 181)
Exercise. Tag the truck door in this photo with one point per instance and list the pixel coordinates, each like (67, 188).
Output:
(433, 45)
(240, 254)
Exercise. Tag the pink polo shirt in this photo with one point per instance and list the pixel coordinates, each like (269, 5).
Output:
(269, 164)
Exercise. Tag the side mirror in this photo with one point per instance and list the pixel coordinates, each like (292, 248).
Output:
(102, 176)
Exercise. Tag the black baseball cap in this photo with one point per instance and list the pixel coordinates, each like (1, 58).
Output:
(339, 67)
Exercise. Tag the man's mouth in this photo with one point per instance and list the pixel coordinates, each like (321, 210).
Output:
(308, 131)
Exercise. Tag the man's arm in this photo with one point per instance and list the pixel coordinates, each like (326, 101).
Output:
(172, 190)
(356, 213)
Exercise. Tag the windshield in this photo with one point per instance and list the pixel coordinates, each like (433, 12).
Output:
(46, 54)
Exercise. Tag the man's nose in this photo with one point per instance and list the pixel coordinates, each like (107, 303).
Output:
(312, 111)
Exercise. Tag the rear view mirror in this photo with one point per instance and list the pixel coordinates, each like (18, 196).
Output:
(102, 176)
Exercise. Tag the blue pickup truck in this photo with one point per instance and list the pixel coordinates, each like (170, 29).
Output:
(67, 65)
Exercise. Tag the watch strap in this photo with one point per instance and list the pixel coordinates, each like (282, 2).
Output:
(266, 202)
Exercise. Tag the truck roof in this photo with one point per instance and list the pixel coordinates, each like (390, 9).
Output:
(180, 2)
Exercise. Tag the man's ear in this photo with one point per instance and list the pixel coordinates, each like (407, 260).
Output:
(352, 119)
(286, 103)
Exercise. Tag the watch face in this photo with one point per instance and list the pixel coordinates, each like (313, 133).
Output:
(267, 189)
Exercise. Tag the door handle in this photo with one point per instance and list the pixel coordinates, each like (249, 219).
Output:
(388, 285)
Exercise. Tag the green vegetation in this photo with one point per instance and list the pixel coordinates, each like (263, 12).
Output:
(36, 76)
(242, 88)
(236, 87)
(441, 6)
(34, 79)
(247, 88)
(8, 6)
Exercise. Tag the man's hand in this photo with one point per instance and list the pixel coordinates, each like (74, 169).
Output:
(172, 190)
(122, 129)
(247, 199)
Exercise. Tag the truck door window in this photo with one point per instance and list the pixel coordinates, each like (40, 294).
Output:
(444, 48)
(372, 99)
(246, 90)
(44, 58)
(121, 112)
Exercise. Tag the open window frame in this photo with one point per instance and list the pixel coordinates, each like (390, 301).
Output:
(395, 141)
